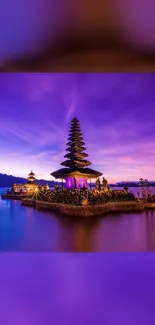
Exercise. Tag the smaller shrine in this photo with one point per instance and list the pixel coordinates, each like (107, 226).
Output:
(31, 185)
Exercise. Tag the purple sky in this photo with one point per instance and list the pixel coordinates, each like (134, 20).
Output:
(116, 113)
(77, 289)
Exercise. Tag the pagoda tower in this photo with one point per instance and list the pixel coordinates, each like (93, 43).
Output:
(31, 185)
(76, 172)
(31, 177)
(75, 146)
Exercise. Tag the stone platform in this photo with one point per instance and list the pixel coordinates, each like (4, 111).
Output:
(89, 211)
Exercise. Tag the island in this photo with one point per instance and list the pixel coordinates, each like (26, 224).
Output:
(75, 197)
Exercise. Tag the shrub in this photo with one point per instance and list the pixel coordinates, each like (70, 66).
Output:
(76, 197)
(151, 199)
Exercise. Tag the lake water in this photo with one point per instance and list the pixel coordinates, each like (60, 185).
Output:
(26, 229)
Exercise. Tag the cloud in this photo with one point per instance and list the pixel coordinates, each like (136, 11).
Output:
(71, 111)
(116, 113)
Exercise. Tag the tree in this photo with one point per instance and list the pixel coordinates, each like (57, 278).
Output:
(146, 183)
(142, 182)
(143, 193)
(149, 194)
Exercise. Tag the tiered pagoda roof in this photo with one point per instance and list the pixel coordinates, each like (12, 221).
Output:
(76, 163)
(31, 177)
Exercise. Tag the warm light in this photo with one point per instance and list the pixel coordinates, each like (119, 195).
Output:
(36, 189)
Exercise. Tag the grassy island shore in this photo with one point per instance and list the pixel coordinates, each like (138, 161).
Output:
(89, 211)
(84, 203)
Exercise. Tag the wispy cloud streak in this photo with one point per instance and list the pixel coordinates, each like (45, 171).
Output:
(116, 111)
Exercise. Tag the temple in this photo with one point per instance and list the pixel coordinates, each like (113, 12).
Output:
(76, 172)
(29, 186)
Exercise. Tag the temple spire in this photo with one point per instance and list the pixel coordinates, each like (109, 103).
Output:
(31, 177)
(76, 173)
(76, 148)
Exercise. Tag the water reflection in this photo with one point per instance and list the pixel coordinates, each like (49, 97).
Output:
(76, 235)
(26, 229)
(29, 218)
(84, 235)
(150, 231)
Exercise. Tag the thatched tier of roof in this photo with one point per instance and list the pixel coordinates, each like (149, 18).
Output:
(31, 174)
(74, 131)
(31, 185)
(83, 172)
(76, 162)
(75, 136)
(74, 143)
(73, 148)
(31, 178)
(74, 120)
(76, 155)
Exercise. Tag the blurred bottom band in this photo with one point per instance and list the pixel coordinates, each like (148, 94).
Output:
(93, 61)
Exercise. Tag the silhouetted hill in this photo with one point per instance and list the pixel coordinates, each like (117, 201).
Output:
(8, 180)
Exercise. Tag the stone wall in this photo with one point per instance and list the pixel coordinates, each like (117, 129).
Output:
(87, 211)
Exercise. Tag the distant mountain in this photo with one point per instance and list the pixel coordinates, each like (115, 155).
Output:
(125, 183)
(8, 180)
(130, 184)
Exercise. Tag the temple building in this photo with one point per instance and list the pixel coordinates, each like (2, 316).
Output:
(31, 185)
(76, 172)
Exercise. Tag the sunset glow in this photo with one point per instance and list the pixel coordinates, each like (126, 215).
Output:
(116, 114)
